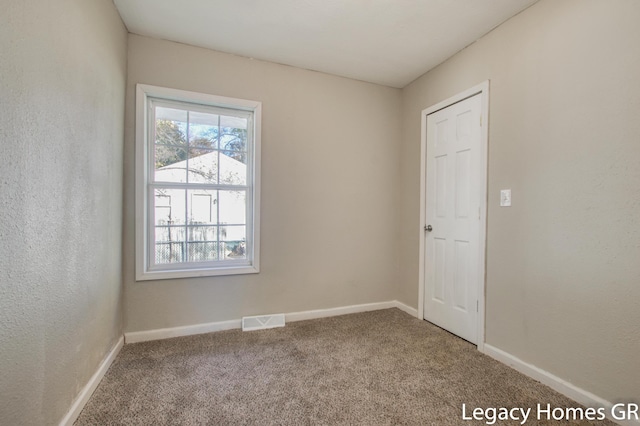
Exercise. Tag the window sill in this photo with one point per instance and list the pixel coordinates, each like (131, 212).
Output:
(195, 273)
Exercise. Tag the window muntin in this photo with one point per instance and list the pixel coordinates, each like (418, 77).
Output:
(200, 187)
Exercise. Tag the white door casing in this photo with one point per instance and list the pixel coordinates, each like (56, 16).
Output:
(453, 199)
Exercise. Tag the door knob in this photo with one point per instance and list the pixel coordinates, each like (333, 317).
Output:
(428, 228)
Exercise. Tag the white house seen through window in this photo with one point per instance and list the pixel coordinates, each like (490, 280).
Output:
(198, 186)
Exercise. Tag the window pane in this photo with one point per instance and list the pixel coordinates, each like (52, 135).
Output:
(233, 170)
(203, 233)
(171, 126)
(169, 252)
(233, 133)
(203, 166)
(203, 251)
(169, 235)
(203, 206)
(169, 207)
(233, 233)
(234, 241)
(203, 129)
(170, 164)
(233, 207)
(203, 243)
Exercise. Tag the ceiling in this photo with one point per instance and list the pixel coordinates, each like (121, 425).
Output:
(389, 42)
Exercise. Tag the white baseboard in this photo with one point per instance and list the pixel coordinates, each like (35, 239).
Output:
(406, 308)
(188, 330)
(572, 391)
(91, 386)
(342, 310)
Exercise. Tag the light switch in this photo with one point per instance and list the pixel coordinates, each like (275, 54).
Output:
(505, 198)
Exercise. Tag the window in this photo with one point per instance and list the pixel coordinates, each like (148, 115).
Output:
(197, 184)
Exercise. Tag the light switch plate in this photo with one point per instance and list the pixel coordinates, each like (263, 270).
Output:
(505, 198)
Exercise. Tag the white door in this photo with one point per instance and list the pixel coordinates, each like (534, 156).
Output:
(454, 180)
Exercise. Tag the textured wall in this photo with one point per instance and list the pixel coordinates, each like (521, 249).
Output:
(62, 81)
(330, 169)
(563, 269)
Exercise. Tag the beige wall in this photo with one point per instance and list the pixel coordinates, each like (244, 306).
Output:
(563, 264)
(330, 171)
(62, 81)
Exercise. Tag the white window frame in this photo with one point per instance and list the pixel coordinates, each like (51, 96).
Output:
(144, 165)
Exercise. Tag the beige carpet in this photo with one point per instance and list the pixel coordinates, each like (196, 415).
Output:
(375, 368)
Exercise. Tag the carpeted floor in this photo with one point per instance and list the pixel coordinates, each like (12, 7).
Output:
(375, 368)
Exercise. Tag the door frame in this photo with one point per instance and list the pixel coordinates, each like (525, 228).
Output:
(483, 90)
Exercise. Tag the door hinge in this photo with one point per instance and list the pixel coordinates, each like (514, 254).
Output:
(477, 306)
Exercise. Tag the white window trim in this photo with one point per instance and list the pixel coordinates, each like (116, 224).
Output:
(143, 93)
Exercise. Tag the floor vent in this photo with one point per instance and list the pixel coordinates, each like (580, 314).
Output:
(262, 322)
